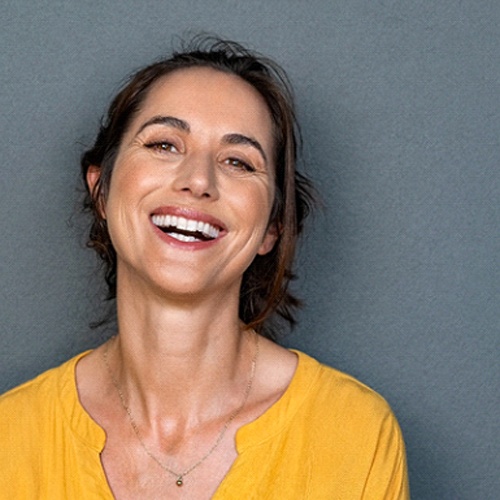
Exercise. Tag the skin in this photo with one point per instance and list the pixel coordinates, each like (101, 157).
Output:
(182, 357)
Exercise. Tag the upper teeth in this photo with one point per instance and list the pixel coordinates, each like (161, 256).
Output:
(186, 224)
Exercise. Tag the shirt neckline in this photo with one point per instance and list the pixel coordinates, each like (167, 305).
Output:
(276, 417)
(85, 428)
(264, 427)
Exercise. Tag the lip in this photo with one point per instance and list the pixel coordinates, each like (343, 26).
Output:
(188, 213)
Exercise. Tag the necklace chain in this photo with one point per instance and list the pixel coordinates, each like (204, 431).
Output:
(181, 475)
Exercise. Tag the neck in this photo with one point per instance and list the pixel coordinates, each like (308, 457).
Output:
(177, 360)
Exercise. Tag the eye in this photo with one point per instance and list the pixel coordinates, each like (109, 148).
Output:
(238, 164)
(162, 147)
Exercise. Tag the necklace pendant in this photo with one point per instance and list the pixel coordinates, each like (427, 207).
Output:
(179, 481)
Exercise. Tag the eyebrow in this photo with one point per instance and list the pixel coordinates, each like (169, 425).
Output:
(179, 124)
(247, 141)
(166, 120)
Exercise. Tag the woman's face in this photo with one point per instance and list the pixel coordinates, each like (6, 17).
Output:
(192, 188)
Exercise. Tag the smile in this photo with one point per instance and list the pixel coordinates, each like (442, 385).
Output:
(186, 230)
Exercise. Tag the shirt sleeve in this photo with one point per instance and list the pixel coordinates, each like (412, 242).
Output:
(388, 476)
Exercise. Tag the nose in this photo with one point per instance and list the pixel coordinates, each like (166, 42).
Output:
(196, 175)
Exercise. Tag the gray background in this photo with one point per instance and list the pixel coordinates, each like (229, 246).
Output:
(400, 107)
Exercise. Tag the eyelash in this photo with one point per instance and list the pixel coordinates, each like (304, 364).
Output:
(166, 147)
(244, 165)
(161, 146)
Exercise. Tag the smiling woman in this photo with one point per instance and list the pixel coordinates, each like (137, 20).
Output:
(196, 150)
(264, 288)
(197, 205)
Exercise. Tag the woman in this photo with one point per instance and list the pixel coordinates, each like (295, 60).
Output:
(196, 208)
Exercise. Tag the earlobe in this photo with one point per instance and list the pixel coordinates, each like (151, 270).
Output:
(269, 240)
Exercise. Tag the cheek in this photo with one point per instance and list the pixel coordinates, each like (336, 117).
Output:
(270, 202)
(127, 184)
(122, 189)
(260, 203)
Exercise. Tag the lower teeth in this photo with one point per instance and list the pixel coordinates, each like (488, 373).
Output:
(183, 237)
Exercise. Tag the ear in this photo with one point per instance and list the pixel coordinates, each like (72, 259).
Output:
(93, 176)
(269, 240)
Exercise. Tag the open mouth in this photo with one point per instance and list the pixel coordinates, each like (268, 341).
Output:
(186, 230)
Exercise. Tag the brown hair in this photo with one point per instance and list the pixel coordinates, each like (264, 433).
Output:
(265, 283)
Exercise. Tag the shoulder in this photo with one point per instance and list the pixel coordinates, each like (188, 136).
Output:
(335, 388)
(46, 443)
(338, 432)
(336, 401)
(27, 404)
(353, 426)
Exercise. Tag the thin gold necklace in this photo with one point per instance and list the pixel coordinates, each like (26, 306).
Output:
(181, 475)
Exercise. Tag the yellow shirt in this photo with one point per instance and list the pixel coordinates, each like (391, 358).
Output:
(328, 437)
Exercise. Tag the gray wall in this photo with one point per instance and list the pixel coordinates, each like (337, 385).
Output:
(399, 102)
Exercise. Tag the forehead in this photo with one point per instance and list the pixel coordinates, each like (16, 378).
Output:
(208, 95)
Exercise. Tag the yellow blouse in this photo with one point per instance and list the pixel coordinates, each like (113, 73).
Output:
(328, 437)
